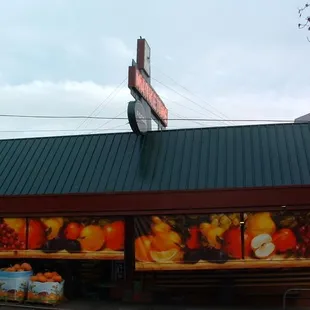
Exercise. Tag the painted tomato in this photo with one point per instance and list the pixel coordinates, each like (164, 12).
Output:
(233, 243)
(73, 231)
(284, 240)
(194, 238)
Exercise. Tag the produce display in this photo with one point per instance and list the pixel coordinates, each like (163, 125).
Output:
(214, 238)
(14, 282)
(46, 288)
(18, 268)
(12, 234)
(48, 276)
(17, 283)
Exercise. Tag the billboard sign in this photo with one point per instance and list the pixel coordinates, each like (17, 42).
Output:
(139, 84)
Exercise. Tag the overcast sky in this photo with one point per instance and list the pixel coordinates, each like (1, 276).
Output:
(236, 59)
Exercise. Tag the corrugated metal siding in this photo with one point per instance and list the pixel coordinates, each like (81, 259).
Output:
(209, 158)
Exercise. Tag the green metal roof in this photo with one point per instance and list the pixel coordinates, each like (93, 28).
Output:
(187, 159)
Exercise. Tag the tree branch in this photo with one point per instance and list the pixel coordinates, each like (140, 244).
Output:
(305, 24)
(301, 10)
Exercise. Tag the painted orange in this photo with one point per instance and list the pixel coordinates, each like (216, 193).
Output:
(114, 235)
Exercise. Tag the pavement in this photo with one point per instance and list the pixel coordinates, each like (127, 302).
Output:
(91, 305)
(101, 305)
(116, 306)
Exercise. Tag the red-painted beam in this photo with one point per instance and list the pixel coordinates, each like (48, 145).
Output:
(165, 202)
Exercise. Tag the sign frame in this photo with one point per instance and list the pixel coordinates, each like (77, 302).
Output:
(144, 57)
(139, 117)
(140, 85)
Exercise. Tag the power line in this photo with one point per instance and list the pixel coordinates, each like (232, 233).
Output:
(58, 130)
(189, 99)
(105, 102)
(99, 128)
(109, 121)
(189, 91)
(125, 118)
(74, 130)
(94, 130)
(182, 105)
(178, 103)
(179, 115)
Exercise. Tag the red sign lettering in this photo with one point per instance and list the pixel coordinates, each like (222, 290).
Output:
(137, 82)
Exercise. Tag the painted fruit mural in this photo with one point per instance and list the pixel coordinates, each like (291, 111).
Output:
(179, 240)
(63, 235)
(277, 235)
(75, 235)
(12, 234)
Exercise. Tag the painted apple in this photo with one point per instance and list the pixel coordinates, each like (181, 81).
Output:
(284, 240)
(263, 246)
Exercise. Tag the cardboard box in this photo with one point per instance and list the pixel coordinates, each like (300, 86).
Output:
(45, 293)
(14, 285)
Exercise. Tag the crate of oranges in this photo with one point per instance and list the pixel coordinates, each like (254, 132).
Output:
(14, 282)
(46, 288)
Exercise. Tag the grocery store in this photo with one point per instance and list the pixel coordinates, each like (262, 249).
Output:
(168, 215)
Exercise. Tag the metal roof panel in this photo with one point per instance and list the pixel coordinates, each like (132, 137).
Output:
(186, 159)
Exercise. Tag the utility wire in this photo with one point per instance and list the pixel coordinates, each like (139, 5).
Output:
(179, 115)
(112, 119)
(125, 118)
(111, 99)
(182, 105)
(193, 94)
(59, 130)
(189, 99)
(116, 129)
(112, 128)
(198, 97)
(104, 103)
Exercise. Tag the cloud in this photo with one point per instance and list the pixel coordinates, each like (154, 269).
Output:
(266, 105)
(60, 98)
(82, 98)
(169, 58)
(75, 50)
(67, 57)
(117, 47)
